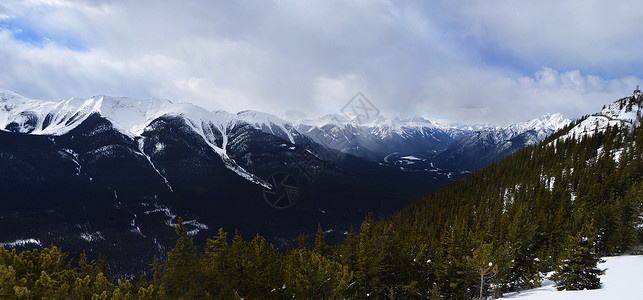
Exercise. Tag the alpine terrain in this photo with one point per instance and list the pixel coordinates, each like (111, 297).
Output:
(112, 174)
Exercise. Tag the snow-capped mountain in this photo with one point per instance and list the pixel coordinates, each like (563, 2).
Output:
(623, 112)
(133, 117)
(120, 170)
(480, 148)
(113, 173)
(382, 140)
(270, 124)
(541, 128)
(377, 138)
(418, 144)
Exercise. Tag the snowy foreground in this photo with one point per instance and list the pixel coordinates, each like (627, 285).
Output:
(621, 281)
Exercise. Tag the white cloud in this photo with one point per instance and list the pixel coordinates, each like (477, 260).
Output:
(331, 94)
(491, 96)
(430, 58)
(602, 36)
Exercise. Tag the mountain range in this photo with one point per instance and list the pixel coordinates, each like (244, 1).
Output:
(114, 173)
(418, 144)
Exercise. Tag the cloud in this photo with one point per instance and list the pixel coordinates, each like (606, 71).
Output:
(461, 62)
(4, 13)
(493, 96)
(596, 36)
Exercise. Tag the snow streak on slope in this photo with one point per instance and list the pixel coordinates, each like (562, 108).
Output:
(23, 242)
(620, 281)
(149, 159)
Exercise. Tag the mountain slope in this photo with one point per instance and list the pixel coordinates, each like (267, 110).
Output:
(512, 221)
(481, 148)
(130, 116)
(624, 112)
(112, 175)
(380, 137)
(420, 145)
(493, 233)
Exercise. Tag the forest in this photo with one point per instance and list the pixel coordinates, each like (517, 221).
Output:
(556, 206)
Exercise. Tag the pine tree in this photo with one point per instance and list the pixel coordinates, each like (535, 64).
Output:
(320, 244)
(454, 276)
(309, 275)
(157, 271)
(182, 267)
(577, 269)
(482, 262)
(301, 242)
(101, 267)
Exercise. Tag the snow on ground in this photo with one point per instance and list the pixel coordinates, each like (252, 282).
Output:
(617, 113)
(622, 280)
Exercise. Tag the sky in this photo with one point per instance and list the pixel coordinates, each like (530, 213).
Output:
(470, 61)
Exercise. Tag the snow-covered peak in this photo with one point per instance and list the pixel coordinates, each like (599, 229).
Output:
(386, 124)
(399, 123)
(380, 128)
(328, 119)
(459, 126)
(539, 129)
(21, 112)
(623, 112)
(548, 123)
(268, 123)
(380, 125)
(130, 116)
(257, 117)
(7, 95)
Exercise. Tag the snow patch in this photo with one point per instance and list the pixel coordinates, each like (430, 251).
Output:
(410, 157)
(620, 281)
(74, 158)
(92, 237)
(617, 113)
(22, 242)
(135, 228)
(170, 217)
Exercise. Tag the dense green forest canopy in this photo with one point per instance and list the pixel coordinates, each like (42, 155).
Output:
(555, 206)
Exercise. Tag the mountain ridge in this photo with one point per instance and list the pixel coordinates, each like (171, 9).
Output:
(374, 140)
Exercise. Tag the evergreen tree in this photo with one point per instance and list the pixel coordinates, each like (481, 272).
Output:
(182, 268)
(320, 243)
(312, 276)
(577, 269)
(482, 262)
